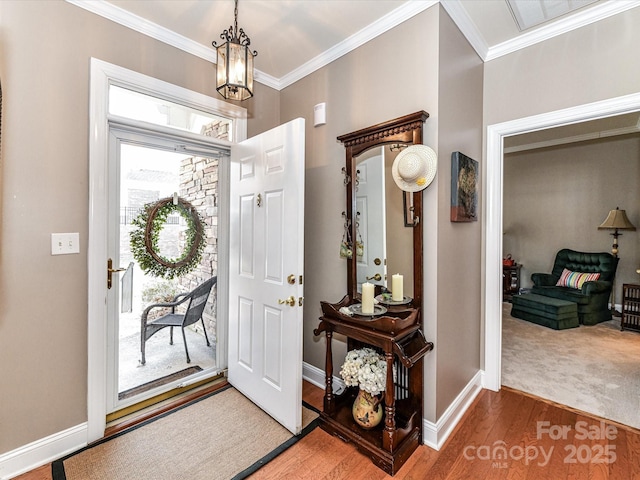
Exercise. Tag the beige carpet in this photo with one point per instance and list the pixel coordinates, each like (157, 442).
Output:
(595, 369)
(219, 437)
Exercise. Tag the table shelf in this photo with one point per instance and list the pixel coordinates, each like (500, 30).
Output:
(401, 341)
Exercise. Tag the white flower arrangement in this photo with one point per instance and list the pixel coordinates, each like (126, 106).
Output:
(365, 368)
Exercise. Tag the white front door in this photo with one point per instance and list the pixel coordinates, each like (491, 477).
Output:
(265, 271)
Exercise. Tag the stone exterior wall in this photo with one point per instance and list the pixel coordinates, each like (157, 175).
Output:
(199, 186)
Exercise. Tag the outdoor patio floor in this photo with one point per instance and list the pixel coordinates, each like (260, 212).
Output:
(162, 359)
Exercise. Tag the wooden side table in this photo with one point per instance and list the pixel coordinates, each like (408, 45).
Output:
(399, 338)
(510, 281)
(630, 319)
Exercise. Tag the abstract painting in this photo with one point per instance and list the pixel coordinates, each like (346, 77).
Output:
(464, 188)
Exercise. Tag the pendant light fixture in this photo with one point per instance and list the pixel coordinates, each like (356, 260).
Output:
(234, 69)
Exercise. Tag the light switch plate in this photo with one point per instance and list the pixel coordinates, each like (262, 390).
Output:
(65, 243)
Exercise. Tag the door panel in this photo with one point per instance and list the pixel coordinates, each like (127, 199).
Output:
(245, 333)
(273, 340)
(265, 248)
(246, 234)
(274, 237)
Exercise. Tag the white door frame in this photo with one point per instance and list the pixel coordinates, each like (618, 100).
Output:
(493, 211)
(104, 74)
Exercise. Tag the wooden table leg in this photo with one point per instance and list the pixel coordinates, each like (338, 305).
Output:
(389, 407)
(328, 368)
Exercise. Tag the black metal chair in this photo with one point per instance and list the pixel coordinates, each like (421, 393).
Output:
(197, 299)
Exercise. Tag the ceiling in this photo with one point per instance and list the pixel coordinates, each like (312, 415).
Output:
(295, 37)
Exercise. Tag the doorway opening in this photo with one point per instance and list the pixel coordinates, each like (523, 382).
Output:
(494, 211)
(163, 117)
(148, 174)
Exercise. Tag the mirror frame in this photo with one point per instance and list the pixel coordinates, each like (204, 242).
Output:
(408, 130)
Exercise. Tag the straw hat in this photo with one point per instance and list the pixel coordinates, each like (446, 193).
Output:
(414, 168)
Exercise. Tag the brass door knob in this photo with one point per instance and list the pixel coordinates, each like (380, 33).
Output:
(111, 270)
(376, 277)
(289, 301)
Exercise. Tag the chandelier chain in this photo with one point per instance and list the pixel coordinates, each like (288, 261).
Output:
(235, 16)
(234, 34)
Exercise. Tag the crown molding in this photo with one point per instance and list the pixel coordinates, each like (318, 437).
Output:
(574, 139)
(467, 26)
(144, 26)
(579, 19)
(153, 30)
(162, 34)
(407, 10)
(380, 26)
(266, 79)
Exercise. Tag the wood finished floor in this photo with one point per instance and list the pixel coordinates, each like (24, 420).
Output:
(507, 418)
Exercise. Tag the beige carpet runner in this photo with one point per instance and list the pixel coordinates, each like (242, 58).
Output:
(223, 436)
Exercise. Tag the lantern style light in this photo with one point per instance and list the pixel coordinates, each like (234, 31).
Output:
(234, 69)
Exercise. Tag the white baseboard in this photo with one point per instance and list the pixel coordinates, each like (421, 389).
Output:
(315, 376)
(435, 434)
(42, 451)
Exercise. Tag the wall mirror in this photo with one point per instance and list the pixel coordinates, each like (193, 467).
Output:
(380, 215)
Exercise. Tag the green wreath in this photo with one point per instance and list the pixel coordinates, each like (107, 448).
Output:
(144, 238)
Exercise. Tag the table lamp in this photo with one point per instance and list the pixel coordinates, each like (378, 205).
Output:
(616, 220)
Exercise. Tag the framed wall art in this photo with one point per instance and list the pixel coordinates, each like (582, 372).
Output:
(464, 188)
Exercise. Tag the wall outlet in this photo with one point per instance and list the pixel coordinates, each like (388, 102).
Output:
(65, 243)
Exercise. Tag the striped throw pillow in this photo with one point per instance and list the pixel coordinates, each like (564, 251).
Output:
(575, 279)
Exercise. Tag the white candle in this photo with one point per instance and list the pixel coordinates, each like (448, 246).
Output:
(397, 293)
(367, 297)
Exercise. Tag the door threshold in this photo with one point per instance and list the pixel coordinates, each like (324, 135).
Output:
(147, 409)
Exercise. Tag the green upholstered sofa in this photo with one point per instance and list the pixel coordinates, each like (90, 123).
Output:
(593, 298)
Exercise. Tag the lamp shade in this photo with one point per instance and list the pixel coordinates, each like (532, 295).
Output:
(617, 220)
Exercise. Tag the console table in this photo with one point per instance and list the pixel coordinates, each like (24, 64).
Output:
(398, 337)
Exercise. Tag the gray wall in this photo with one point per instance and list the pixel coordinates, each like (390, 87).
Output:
(44, 68)
(595, 62)
(443, 76)
(458, 253)
(360, 90)
(556, 197)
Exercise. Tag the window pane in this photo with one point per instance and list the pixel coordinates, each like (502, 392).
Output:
(145, 108)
